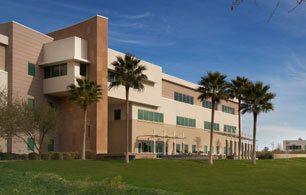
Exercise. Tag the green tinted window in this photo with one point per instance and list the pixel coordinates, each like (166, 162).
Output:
(140, 114)
(31, 69)
(207, 125)
(193, 148)
(150, 116)
(188, 122)
(228, 109)
(178, 148)
(183, 98)
(205, 149)
(186, 148)
(230, 129)
(31, 103)
(30, 144)
(224, 150)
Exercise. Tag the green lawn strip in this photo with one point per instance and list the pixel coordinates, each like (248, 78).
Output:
(189, 176)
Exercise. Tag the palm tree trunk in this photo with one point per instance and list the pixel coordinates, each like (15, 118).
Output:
(84, 136)
(239, 124)
(254, 139)
(127, 125)
(210, 159)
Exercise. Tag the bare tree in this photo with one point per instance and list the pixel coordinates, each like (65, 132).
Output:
(236, 3)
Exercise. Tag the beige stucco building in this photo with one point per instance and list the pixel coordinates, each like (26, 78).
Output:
(165, 118)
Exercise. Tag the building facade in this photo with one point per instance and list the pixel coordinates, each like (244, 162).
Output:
(294, 145)
(165, 118)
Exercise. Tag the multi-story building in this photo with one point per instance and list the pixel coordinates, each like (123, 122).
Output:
(294, 145)
(165, 118)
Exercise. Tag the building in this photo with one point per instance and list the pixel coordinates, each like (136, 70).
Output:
(165, 118)
(294, 145)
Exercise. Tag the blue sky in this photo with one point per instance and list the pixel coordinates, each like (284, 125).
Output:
(189, 38)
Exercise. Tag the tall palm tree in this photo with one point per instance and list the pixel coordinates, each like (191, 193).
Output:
(86, 92)
(215, 87)
(257, 99)
(128, 72)
(236, 90)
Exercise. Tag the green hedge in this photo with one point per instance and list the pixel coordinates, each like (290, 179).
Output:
(44, 156)
(264, 155)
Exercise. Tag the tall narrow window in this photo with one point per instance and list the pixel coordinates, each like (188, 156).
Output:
(51, 145)
(193, 148)
(117, 114)
(186, 148)
(205, 149)
(30, 144)
(31, 103)
(83, 70)
(31, 69)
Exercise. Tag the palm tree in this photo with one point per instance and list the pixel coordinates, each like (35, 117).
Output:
(213, 86)
(257, 99)
(236, 90)
(129, 73)
(86, 92)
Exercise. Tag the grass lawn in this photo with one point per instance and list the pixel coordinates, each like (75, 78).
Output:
(187, 176)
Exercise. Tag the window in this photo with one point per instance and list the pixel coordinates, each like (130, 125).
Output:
(228, 109)
(55, 70)
(193, 148)
(150, 116)
(224, 150)
(218, 149)
(207, 104)
(178, 148)
(31, 103)
(117, 114)
(31, 69)
(230, 129)
(207, 125)
(30, 144)
(205, 149)
(186, 148)
(51, 145)
(83, 71)
(183, 98)
(295, 147)
(111, 77)
(188, 122)
(145, 147)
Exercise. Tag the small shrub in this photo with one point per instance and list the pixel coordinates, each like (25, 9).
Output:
(264, 155)
(67, 156)
(57, 156)
(24, 157)
(75, 155)
(33, 156)
(91, 155)
(45, 156)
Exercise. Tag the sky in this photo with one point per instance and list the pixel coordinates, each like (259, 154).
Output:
(190, 38)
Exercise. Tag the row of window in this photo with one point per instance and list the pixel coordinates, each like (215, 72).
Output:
(147, 146)
(30, 144)
(55, 70)
(230, 129)
(187, 122)
(150, 116)
(207, 125)
(183, 121)
(207, 104)
(228, 109)
(183, 98)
